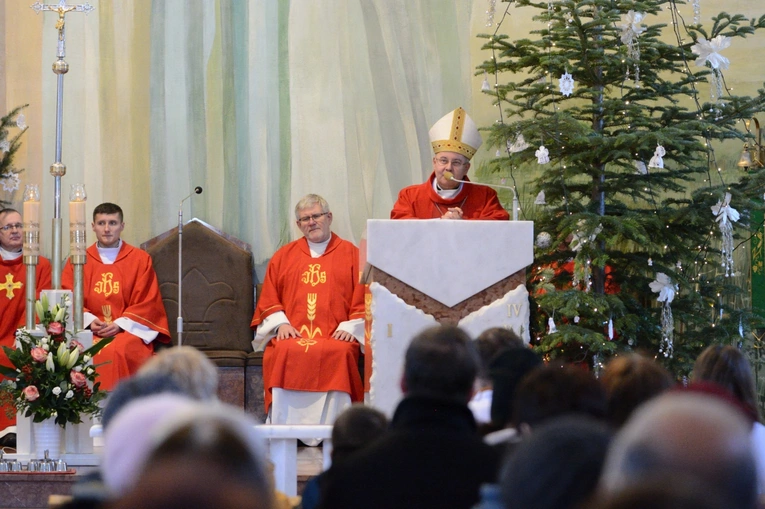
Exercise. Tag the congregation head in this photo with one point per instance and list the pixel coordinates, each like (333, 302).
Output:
(203, 456)
(552, 391)
(441, 362)
(188, 367)
(727, 367)
(11, 230)
(689, 436)
(629, 381)
(356, 427)
(506, 371)
(492, 341)
(558, 466)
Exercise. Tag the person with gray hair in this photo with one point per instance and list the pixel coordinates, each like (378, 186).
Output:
(309, 322)
(691, 436)
(200, 456)
(432, 455)
(189, 368)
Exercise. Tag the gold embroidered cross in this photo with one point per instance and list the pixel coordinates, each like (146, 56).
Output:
(10, 285)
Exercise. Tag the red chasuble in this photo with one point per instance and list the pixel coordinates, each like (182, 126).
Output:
(421, 201)
(13, 278)
(127, 288)
(316, 294)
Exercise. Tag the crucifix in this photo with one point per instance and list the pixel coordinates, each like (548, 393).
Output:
(58, 169)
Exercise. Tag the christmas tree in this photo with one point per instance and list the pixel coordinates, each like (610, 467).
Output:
(620, 104)
(9, 144)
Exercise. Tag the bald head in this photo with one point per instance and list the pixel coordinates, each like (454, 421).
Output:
(686, 435)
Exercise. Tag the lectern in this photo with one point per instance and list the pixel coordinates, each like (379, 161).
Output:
(425, 272)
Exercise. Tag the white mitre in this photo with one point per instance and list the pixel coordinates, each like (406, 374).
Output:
(455, 132)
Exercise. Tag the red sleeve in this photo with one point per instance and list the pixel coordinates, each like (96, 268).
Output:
(146, 306)
(493, 209)
(268, 301)
(403, 208)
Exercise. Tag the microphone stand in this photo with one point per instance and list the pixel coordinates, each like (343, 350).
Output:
(179, 320)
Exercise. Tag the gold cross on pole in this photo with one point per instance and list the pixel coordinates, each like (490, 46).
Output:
(9, 286)
(62, 8)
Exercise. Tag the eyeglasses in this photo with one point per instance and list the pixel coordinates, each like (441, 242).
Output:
(456, 163)
(314, 217)
(17, 226)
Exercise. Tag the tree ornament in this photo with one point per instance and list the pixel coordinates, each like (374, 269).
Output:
(485, 86)
(631, 30)
(5, 146)
(725, 215)
(666, 289)
(610, 328)
(650, 262)
(657, 161)
(544, 240)
(708, 52)
(498, 153)
(517, 145)
(540, 199)
(21, 121)
(543, 155)
(640, 167)
(551, 325)
(566, 84)
(11, 182)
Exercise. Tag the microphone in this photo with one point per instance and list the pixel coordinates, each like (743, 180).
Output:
(450, 176)
(179, 321)
(197, 190)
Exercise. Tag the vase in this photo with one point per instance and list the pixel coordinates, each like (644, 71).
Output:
(47, 437)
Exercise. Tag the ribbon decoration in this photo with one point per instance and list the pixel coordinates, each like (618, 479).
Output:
(725, 216)
(666, 289)
(709, 53)
(631, 30)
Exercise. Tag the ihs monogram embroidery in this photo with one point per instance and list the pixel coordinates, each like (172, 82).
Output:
(106, 286)
(313, 275)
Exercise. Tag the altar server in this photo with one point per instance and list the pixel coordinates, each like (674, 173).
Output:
(122, 298)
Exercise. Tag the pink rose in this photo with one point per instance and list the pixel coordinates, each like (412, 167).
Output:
(76, 343)
(78, 379)
(39, 354)
(31, 393)
(55, 329)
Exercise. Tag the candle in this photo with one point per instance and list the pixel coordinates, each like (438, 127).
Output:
(32, 213)
(77, 213)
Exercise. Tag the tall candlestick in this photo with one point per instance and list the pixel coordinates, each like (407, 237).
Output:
(77, 197)
(31, 248)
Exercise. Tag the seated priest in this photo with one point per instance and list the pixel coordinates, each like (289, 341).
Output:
(310, 321)
(121, 298)
(455, 140)
(13, 280)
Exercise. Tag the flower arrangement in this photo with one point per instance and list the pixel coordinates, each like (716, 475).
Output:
(52, 374)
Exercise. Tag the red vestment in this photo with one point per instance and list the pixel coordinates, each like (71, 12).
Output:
(13, 277)
(421, 201)
(316, 294)
(127, 288)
